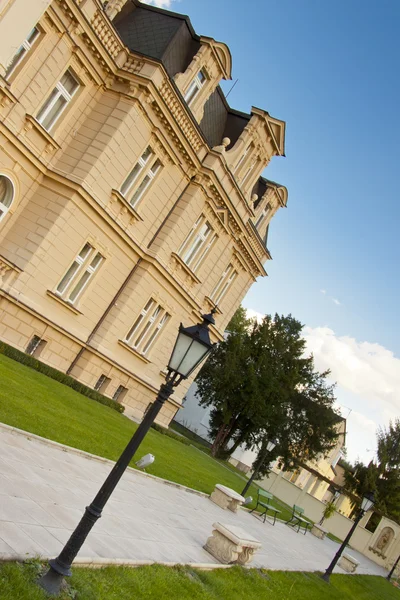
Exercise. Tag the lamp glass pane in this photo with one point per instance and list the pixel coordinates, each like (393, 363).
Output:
(271, 446)
(196, 353)
(182, 344)
(367, 503)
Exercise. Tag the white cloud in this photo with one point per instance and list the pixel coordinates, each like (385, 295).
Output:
(336, 301)
(323, 292)
(159, 3)
(368, 377)
(363, 368)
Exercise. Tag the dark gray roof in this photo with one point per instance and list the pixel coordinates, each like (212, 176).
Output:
(159, 34)
(220, 120)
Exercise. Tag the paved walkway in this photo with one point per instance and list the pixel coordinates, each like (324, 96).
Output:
(44, 489)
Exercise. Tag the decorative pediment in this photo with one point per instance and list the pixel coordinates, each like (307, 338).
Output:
(277, 131)
(221, 55)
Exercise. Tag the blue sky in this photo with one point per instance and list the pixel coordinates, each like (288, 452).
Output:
(330, 70)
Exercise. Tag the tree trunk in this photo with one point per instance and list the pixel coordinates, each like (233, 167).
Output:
(224, 434)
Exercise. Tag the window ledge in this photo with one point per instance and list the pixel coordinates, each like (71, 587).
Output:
(212, 304)
(181, 265)
(31, 123)
(134, 352)
(63, 302)
(126, 207)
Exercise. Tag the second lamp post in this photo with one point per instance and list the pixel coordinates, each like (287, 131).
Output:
(366, 504)
(270, 446)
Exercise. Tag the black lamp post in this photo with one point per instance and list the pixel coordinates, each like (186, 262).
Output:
(270, 446)
(192, 346)
(366, 504)
(392, 570)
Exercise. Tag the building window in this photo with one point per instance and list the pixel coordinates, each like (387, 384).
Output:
(197, 243)
(6, 195)
(226, 280)
(241, 160)
(80, 273)
(120, 393)
(263, 214)
(23, 51)
(35, 346)
(58, 100)
(249, 171)
(141, 176)
(102, 383)
(147, 327)
(195, 87)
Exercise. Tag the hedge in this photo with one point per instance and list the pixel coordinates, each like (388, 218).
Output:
(37, 365)
(171, 434)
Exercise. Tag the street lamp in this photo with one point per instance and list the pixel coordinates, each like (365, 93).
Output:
(392, 570)
(366, 504)
(270, 446)
(192, 346)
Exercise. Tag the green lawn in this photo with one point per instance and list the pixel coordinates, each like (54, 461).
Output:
(40, 405)
(17, 582)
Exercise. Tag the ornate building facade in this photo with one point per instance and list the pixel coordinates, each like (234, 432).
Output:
(131, 195)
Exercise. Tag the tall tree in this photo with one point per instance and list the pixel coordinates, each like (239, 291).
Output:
(382, 476)
(260, 385)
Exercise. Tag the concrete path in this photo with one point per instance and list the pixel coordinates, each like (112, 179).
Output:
(44, 489)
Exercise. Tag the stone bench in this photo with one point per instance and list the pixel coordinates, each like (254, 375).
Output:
(226, 498)
(231, 545)
(348, 563)
(318, 531)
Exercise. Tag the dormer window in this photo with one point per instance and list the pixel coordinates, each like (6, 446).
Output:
(195, 87)
(263, 215)
(241, 161)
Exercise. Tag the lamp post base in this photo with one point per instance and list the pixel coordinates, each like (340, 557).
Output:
(326, 577)
(52, 581)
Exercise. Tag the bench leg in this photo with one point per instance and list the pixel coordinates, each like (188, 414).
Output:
(265, 515)
(274, 519)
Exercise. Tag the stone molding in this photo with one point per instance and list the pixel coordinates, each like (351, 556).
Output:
(6, 268)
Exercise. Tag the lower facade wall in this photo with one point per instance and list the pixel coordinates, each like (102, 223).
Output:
(17, 328)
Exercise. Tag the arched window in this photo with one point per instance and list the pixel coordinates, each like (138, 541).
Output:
(6, 195)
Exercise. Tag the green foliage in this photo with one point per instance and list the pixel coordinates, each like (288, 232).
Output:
(329, 510)
(388, 451)
(171, 434)
(37, 365)
(18, 582)
(382, 477)
(239, 323)
(260, 386)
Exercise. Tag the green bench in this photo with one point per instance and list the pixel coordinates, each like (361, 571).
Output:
(297, 520)
(262, 500)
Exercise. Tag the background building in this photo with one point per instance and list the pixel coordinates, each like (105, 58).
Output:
(131, 195)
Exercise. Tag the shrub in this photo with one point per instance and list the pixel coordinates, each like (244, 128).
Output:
(37, 365)
(171, 434)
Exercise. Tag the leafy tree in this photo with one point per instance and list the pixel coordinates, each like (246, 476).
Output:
(260, 386)
(388, 451)
(382, 477)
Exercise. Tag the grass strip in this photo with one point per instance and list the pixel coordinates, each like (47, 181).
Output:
(18, 582)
